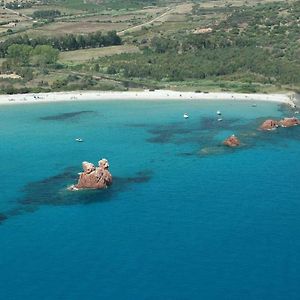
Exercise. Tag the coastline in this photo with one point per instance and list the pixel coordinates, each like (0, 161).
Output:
(75, 96)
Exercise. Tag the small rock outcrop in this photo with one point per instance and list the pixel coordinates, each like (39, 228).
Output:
(289, 122)
(94, 177)
(273, 124)
(232, 141)
(269, 125)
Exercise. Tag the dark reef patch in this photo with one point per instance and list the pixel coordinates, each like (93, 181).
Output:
(166, 134)
(190, 132)
(53, 191)
(3, 217)
(162, 134)
(137, 125)
(208, 123)
(186, 154)
(214, 150)
(200, 132)
(185, 131)
(66, 116)
(207, 134)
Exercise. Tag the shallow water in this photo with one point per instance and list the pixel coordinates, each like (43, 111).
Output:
(185, 218)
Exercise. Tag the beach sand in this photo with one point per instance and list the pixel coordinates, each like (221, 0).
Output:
(140, 95)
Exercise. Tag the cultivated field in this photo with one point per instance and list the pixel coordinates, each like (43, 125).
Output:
(79, 56)
(61, 28)
(142, 30)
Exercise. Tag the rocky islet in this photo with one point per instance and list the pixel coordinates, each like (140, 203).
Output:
(94, 177)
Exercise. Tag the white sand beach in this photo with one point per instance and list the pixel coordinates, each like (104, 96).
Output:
(140, 95)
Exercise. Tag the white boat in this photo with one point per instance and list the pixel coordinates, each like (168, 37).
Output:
(219, 113)
(185, 115)
(79, 140)
(296, 112)
(254, 105)
(220, 119)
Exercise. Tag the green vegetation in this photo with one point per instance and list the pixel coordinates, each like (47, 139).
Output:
(81, 56)
(24, 59)
(98, 5)
(66, 42)
(205, 45)
(44, 55)
(46, 14)
(18, 54)
(265, 50)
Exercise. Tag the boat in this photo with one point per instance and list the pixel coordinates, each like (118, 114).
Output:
(79, 140)
(185, 115)
(220, 119)
(254, 105)
(219, 113)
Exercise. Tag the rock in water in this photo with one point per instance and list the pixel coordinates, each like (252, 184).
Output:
(289, 122)
(232, 141)
(273, 124)
(269, 125)
(94, 177)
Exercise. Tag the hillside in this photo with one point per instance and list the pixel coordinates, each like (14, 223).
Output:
(202, 45)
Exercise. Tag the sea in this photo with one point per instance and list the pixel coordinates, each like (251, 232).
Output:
(185, 218)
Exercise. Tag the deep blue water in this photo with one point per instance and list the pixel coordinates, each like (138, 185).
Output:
(185, 218)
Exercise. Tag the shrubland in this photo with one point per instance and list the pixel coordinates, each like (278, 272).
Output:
(197, 46)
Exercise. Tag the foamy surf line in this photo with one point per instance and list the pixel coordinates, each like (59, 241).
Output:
(139, 95)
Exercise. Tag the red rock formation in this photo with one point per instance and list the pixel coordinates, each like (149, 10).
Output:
(232, 141)
(269, 125)
(94, 177)
(289, 122)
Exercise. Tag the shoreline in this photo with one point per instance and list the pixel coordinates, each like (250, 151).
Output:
(75, 96)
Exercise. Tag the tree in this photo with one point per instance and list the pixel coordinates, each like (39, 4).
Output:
(19, 54)
(162, 45)
(81, 41)
(44, 14)
(44, 55)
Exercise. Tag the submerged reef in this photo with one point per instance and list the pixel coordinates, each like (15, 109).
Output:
(200, 131)
(94, 177)
(204, 136)
(53, 191)
(199, 137)
(2, 217)
(66, 116)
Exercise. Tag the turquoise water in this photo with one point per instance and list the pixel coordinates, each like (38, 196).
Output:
(185, 218)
